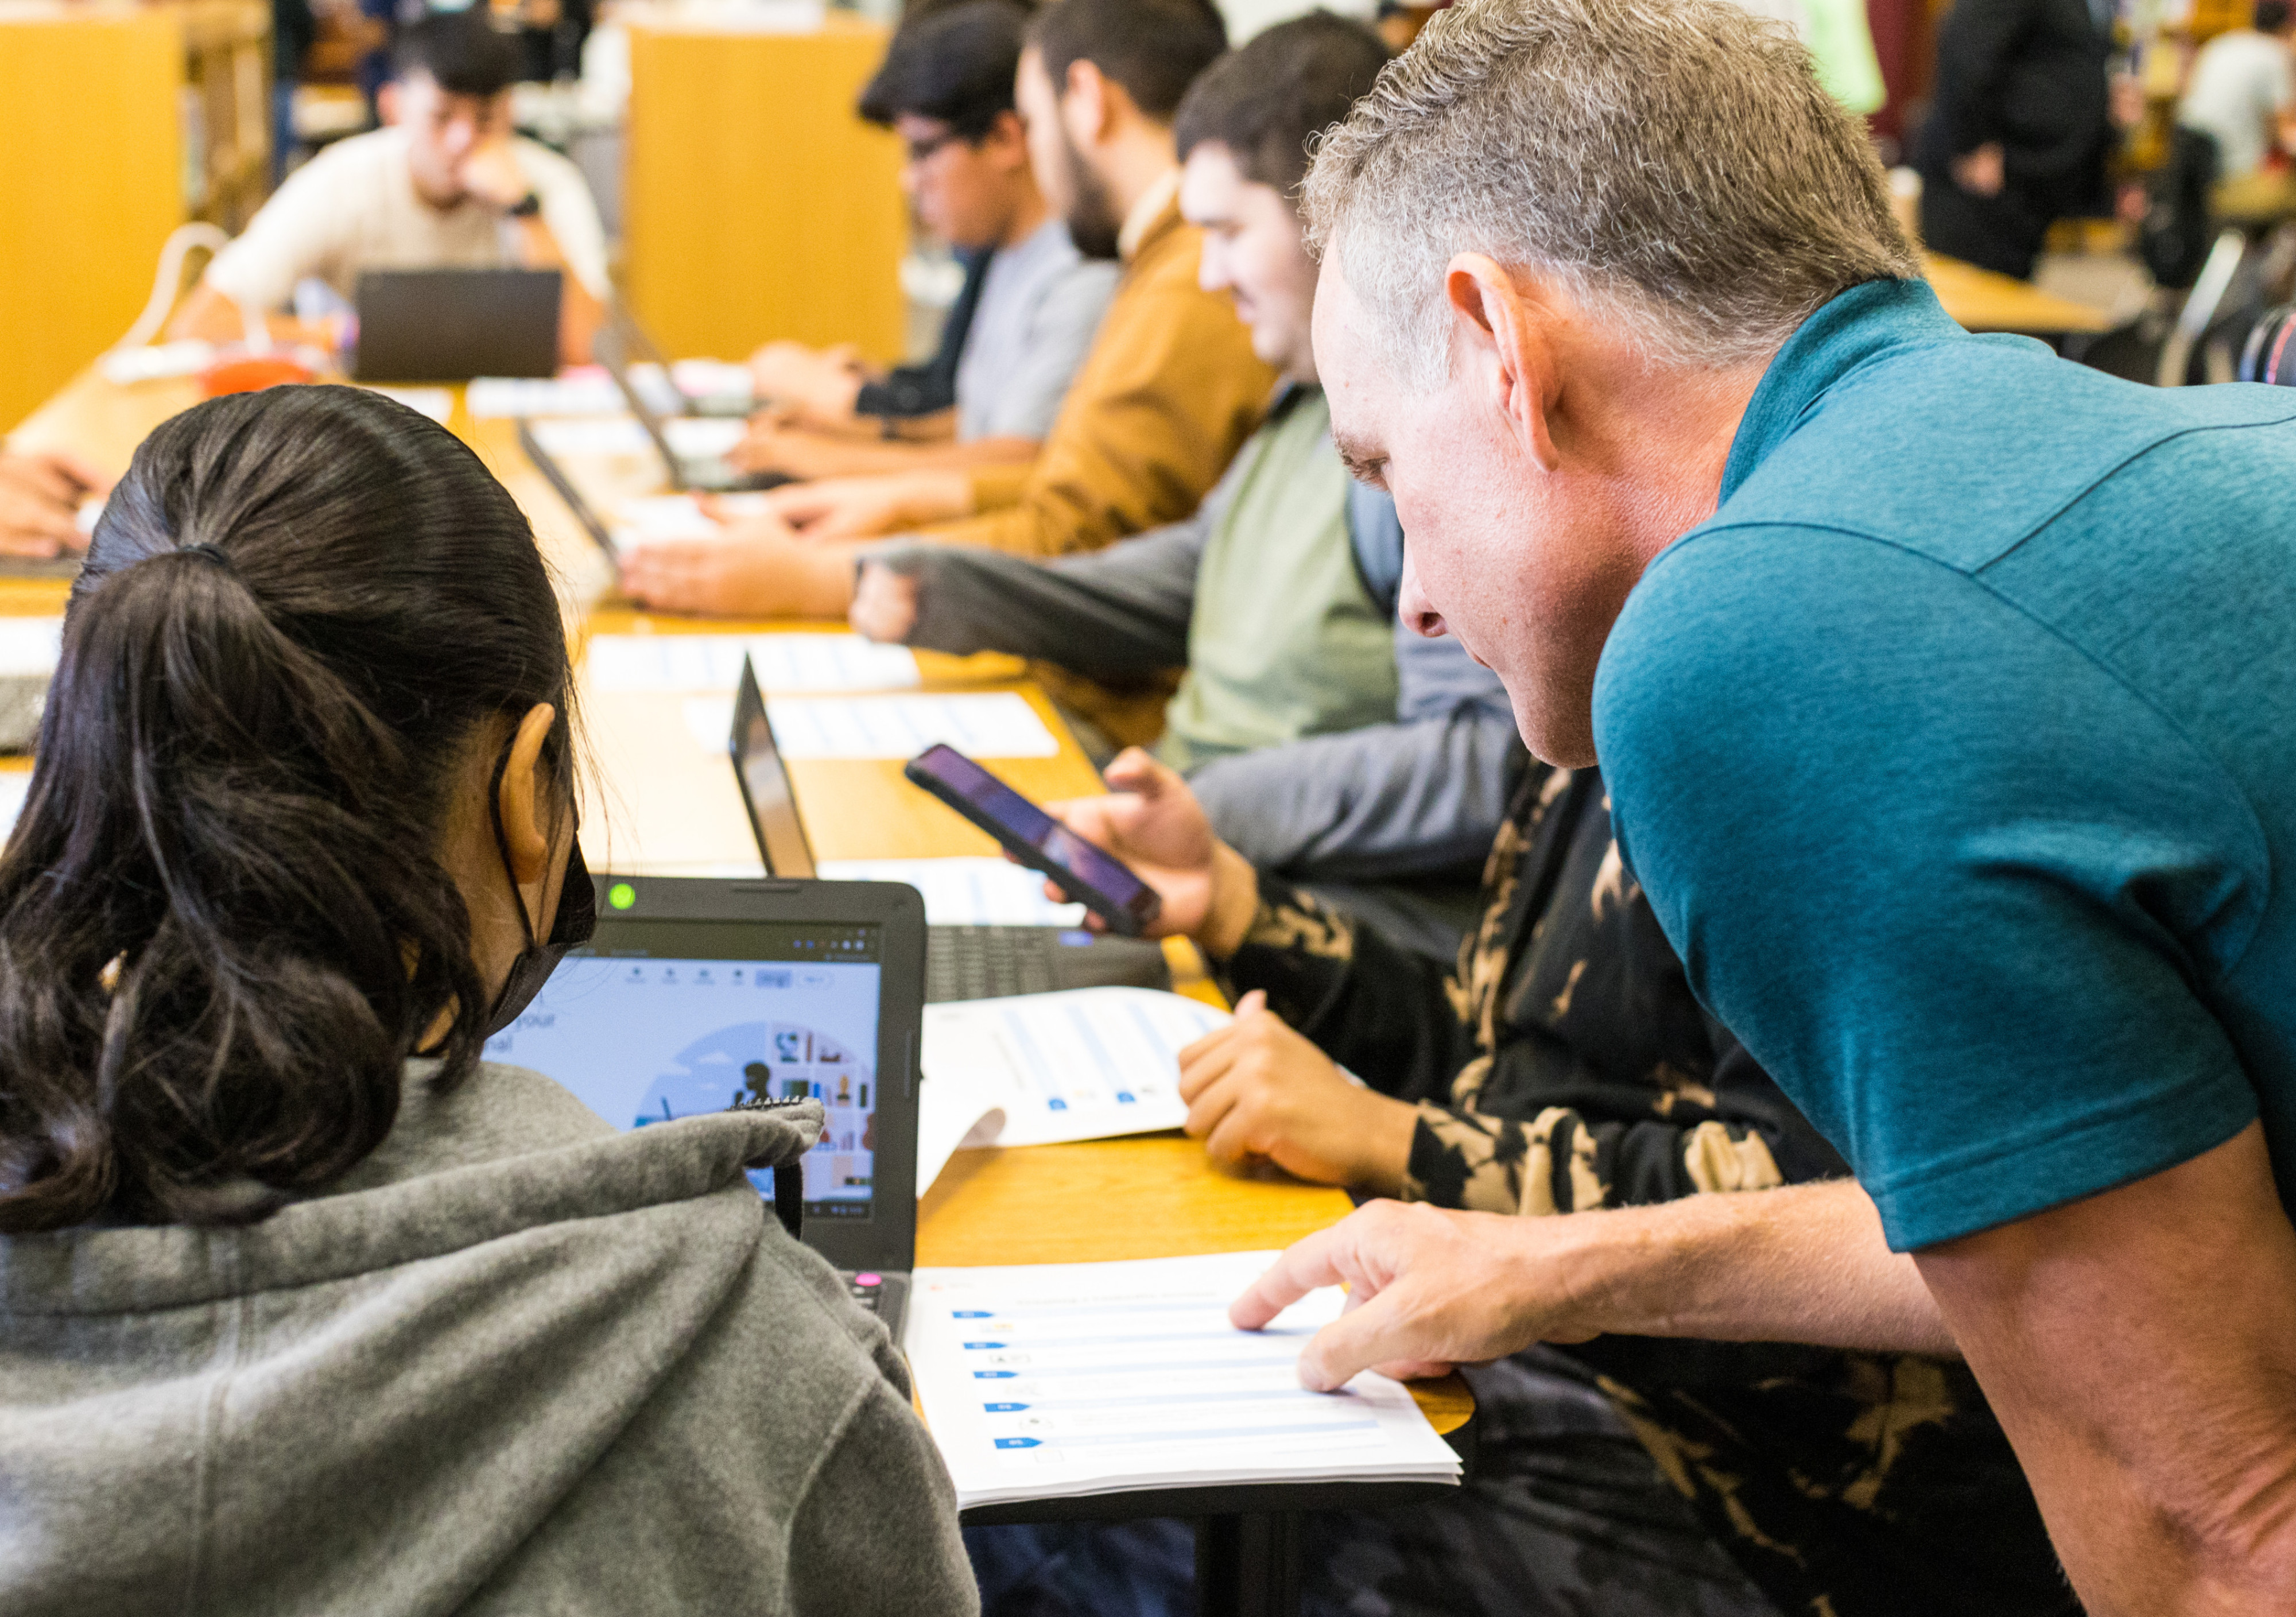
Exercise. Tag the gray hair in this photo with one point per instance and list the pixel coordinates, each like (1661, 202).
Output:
(1673, 162)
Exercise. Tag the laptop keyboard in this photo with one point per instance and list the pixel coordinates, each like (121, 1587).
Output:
(994, 962)
(865, 1288)
(989, 962)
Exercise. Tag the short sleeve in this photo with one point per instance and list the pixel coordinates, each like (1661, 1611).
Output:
(1961, 891)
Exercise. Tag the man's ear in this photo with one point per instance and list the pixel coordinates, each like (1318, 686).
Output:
(386, 101)
(1500, 333)
(1007, 140)
(1089, 105)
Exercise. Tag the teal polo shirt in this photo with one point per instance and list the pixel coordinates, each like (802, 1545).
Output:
(1957, 754)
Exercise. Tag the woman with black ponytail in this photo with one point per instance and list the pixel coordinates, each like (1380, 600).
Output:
(303, 1308)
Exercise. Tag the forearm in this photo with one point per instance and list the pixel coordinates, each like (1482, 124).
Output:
(581, 314)
(1111, 619)
(1368, 804)
(1805, 1263)
(2139, 1346)
(207, 316)
(841, 453)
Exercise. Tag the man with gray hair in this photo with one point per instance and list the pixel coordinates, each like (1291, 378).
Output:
(1943, 692)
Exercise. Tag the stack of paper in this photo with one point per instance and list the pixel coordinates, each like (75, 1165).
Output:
(996, 725)
(1040, 1068)
(713, 662)
(964, 891)
(1057, 1380)
(582, 389)
(694, 437)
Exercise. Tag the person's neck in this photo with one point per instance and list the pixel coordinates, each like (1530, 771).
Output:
(1659, 434)
(1028, 217)
(1132, 160)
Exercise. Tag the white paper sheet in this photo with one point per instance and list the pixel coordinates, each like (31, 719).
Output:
(965, 892)
(698, 436)
(1081, 1064)
(658, 517)
(15, 786)
(1057, 1380)
(713, 662)
(992, 725)
(437, 403)
(950, 1119)
(30, 645)
(582, 389)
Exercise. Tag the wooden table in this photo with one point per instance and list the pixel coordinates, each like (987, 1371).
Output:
(1983, 300)
(662, 802)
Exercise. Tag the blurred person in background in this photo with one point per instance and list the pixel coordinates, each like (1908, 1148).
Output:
(1030, 303)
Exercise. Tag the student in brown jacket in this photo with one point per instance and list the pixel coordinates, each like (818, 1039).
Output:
(1170, 389)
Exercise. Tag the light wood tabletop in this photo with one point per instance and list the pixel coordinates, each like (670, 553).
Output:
(660, 800)
(1983, 300)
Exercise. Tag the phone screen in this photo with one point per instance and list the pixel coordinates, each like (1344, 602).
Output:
(1023, 821)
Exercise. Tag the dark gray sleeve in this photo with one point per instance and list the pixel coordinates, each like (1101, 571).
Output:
(1425, 794)
(1119, 611)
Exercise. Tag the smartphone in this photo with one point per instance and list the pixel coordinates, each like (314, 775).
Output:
(1095, 879)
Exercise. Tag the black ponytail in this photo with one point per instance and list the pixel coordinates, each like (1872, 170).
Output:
(223, 926)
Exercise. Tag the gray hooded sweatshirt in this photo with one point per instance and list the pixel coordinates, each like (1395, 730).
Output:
(515, 1362)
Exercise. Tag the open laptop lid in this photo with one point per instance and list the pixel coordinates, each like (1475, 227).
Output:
(695, 993)
(765, 782)
(612, 348)
(555, 475)
(452, 324)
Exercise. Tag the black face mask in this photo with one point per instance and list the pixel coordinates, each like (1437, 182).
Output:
(577, 919)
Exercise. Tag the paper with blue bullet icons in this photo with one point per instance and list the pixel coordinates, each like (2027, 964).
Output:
(1054, 1380)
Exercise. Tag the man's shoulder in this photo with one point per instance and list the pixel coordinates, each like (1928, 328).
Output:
(1960, 452)
(351, 161)
(1167, 261)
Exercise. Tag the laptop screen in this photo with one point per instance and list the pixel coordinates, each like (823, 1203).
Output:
(666, 1019)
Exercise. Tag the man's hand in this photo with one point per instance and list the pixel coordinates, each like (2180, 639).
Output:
(884, 604)
(40, 497)
(1257, 1091)
(1981, 172)
(758, 569)
(492, 174)
(1428, 1290)
(817, 383)
(1431, 1289)
(867, 507)
(773, 444)
(1149, 819)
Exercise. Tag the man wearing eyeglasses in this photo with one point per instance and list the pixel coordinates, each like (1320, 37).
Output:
(1030, 301)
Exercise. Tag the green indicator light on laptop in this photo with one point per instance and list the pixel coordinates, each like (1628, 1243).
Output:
(621, 895)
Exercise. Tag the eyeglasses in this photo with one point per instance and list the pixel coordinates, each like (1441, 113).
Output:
(923, 151)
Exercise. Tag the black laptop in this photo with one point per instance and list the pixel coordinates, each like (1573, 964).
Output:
(961, 962)
(452, 324)
(694, 995)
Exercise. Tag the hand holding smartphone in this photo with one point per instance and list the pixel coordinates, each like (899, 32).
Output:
(1095, 878)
